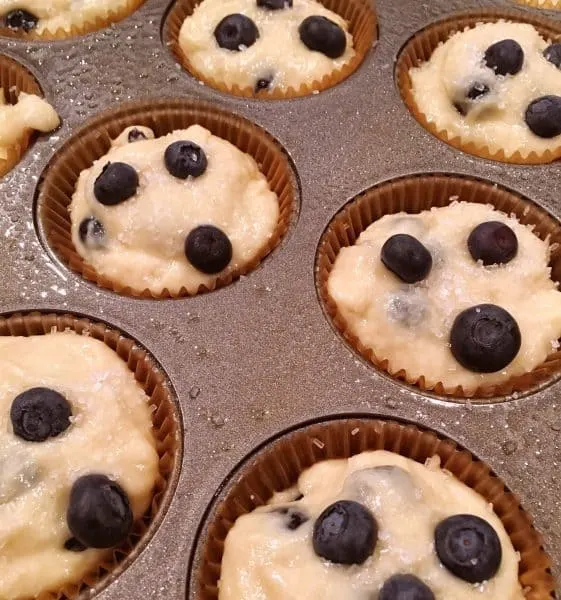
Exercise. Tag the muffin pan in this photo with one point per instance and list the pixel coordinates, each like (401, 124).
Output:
(258, 357)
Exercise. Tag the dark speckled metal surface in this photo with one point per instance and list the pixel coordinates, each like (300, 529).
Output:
(259, 356)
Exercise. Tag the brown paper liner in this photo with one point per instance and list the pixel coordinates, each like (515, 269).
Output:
(15, 78)
(420, 48)
(76, 29)
(547, 5)
(93, 140)
(166, 429)
(278, 466)
(414, 194)
(359, 15)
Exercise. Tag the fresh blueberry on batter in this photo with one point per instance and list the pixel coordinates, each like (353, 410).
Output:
(21, 19)
(493, 242)
(323, 35)
(208, 249)
(236, 32)
(543, 116)
(116, 183)
(505, 57)
(468, 547)
(405, 587)
(185, 159)
(405, 256)
(99, 514)
(345, 533)
(40, 413)
(485, 338)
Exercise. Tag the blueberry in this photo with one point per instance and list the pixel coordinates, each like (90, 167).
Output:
(73, 545)
(185, 159)
(99, 513)
(493, 242)
(322, 35)
(345, 533)
(208, 249)
(477, 90)
(405, 587)
(468, 547)
(135, 135)
(21, 19)
(91, 232)
(553, 54)
(485, 338)
(505, 57)
(406, 308)
(543, 116)
(405, 256)
(116, 183)
(236, 32)
(294, 518)
(40, 413)
(263, 84)
(274, 4)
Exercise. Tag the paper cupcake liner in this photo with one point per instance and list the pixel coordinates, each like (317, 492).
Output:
(545, 5)
(414, 194)
(419, 50)
(93, 140)
(278, 466)
(166, 429)
(76, 29)
(15, 78)
(359, 15)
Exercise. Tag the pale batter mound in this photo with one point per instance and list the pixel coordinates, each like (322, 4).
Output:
(109, 433)
(410, 324)
(47, 16)
(177, 215)
(30, 112)
(277, 59)
(272, 553)
(458, 92)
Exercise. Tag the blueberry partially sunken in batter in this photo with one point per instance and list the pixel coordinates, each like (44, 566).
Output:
(405, 587)
(92, 232)
(292, 517)
(99, 514)
(275, 4)
(493, 243)
(21, 20)
(505, 57)
(553, 54)
(236, 32)
(468, 547)
(39, 414)
(116, 183)
(185, 159)
(543, 116)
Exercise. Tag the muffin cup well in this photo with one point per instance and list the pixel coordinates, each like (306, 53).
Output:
(414, 194)
(93, 140)
(419, 50)
(166, 429)
(114, 15)
(14, 79)
(359, 15)
(278, 466)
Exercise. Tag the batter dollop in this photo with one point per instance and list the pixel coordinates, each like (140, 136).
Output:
(173, 212)
(69, 409)
(272, 552)
(496, 85)
(271, 53)
(411, 324)
(43, 16)
(30, 112)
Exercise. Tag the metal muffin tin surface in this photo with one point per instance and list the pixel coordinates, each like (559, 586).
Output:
(257, 357)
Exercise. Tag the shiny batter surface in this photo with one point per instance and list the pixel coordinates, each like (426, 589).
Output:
(278, 54)
(62, 14)
(495, 120)
(110, 433)
(144, 240)
(409, 324)
(30, 112)
(264, 560)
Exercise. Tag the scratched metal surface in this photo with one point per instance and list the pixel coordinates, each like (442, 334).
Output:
(259, 356)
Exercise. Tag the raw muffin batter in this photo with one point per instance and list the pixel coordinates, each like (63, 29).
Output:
(42, 16)
(485, 84)
(412, 324)
(172, 212)
(287, 551)
(30, 112)
(90, 417)
(266, 47)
